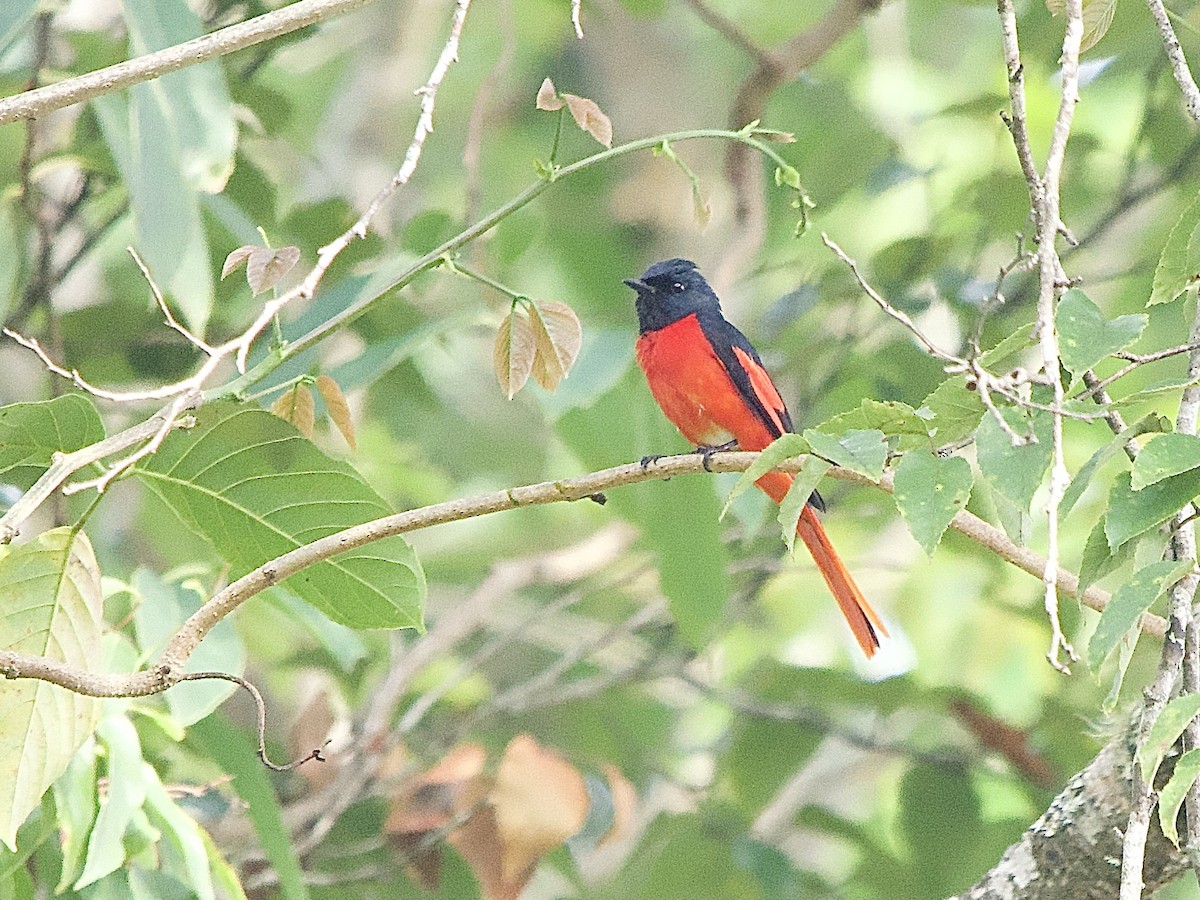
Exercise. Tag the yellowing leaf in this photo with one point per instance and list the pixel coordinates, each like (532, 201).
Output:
(588, 116)
(338, 408)
(514, 352)
(539, 800)
(624, 801)
(296, 406)
(558, 336)
(547, 97)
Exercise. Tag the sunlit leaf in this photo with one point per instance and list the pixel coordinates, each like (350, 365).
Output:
(954, 411)
(51, 598)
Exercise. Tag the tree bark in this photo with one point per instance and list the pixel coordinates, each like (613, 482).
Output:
(1074, 850)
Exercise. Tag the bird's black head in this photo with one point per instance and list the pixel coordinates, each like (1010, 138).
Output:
(669, 291)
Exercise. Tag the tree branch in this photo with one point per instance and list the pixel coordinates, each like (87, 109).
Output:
(37, 102)
(169, 668)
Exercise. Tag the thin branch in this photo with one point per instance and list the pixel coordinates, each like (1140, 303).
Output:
(171, 321)
(38, 102)
(730, 30)
(1179, 66)
(576, 12)
(261, 709)
(1135, 360)
(169, 668)
(899, 315)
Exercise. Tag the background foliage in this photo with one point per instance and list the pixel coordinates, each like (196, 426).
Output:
(651, 644)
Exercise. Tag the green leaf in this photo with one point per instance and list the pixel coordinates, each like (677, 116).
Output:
(251, 486)
(30, 434)
(51, 598)
(863, 451)
(1132, 512)
(1007, 352)
(1180, 260)
(794, 501)
(1147, 424)
(1165, 731)
(106, 852)
(1165, 386)
(164, 607)
(76, 803)
(181, 832)
(890, 417)
(229, 748)
(14, 16)
(1085, 337)
(954, 411)
(1125, 609)
(929, 492)
(783, 447)
(1097, 17)
(1175, 791)
(1015, 472)
(1164, 456)
(1099, 559)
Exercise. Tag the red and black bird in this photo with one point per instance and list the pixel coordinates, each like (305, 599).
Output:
(711, 384)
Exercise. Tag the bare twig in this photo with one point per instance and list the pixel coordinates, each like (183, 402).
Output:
(575, 17)
(171, 321)
(1135, 360)
(730, 30)
(183, 643)
(31, 104)
(261, 710)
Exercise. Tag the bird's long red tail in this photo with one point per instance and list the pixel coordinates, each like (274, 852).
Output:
(863, 621)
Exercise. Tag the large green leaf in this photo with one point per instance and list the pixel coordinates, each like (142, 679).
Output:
(1145, 425)
(1165, 731)
(50, 600)
(30, 433)
(791, 508)
(1174, 792)
(862, 451)
(249, 484)
(953, 411)
(1164, 456)
(122, 802)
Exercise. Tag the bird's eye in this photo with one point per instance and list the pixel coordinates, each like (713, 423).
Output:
(677, 287)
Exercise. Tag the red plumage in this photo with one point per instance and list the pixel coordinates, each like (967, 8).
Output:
(711, 384)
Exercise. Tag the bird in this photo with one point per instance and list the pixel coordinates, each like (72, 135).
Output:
(711, 384)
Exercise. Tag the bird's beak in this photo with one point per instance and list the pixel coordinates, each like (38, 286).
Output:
(638, 286)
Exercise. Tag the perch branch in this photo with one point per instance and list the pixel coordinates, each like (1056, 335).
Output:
(168, 670)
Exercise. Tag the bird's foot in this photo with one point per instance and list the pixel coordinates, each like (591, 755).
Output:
(708, 452)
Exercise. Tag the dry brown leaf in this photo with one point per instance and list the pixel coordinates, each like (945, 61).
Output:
(236, 258)
(588, 116)
(624, 801)
(266, 266)
(311, 729)
(558, 336)
(514, 351)
(539, 799)
(338, 408)
(478, 843)
(547, 97)
(296, 406)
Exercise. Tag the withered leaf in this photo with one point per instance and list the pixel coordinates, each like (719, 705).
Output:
(588, 116)
(266, 266)
(558, 336)
(547, 97)
(296, 405)
(514, 351)
(624, 800)
(236, 258)
(539, 800)
(338, 408)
